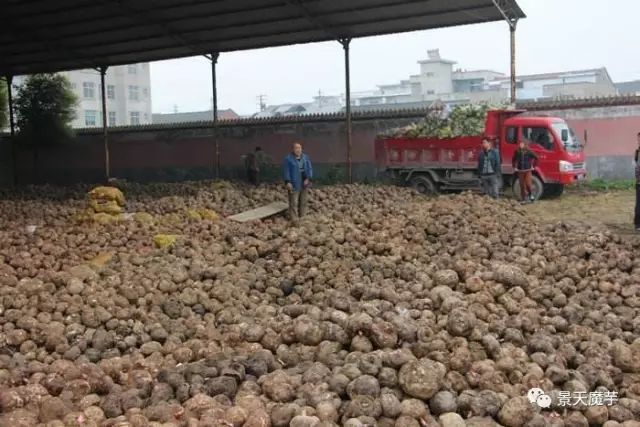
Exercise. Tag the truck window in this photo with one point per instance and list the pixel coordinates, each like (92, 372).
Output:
(512, 135)
(538, 136)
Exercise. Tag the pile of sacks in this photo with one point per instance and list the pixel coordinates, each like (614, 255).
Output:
(106, 204)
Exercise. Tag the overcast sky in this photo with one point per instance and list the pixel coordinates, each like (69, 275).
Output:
(557, 35)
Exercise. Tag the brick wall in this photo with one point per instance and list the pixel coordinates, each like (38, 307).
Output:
(169, 154)
(188, 152)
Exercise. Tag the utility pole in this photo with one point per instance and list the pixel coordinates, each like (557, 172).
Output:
(346, 42)
(262, 102)
(512, 32)
(214, 109)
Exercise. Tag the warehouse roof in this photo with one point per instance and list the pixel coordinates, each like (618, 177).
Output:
(47, 36)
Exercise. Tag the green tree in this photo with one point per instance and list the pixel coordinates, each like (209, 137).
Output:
(4, 105)
(44, 106)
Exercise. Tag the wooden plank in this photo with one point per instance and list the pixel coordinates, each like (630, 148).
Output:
(261, 212)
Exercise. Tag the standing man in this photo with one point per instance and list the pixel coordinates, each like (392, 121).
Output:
(524, 161)
(489, 169)
(252, 164)
(636, 219)
(297, 173)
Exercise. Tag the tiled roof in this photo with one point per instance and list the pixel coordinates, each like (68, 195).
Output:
(379, 114)
(194, 116)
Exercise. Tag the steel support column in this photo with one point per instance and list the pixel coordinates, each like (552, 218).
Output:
(512, 31)
(105, 132)
(12, 124)
(214, 107)
(507, 11)
(347, 71)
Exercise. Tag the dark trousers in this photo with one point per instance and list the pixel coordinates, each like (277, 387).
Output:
(490, 185)
(636, 219)
(253, 177)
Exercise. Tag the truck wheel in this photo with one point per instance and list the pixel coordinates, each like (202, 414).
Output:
(537, 188)
(424, 185)
(552, 191)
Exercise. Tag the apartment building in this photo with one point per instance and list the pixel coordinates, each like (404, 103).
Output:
(128, 90)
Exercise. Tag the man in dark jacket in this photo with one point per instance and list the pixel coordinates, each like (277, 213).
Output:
(252, 164)
(524, 161)
(297, 173)
(489, 169)
(636, 219)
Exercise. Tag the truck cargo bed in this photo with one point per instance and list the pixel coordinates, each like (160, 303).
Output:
(455, 153)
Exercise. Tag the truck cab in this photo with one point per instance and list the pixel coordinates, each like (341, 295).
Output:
(560, 153)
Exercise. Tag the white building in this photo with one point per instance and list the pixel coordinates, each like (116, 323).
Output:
(435, 78)
(128, 90)
(439, 82)
(559, 85)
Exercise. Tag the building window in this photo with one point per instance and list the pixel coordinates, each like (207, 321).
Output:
(145, 92)
(431, 74)
(132, 69)
(73, 86)
(88, 90)
(431, 92)
(146, 117)
(134, 117)
(111, 92)
(134, 93)
(90, 118)
(112, 118)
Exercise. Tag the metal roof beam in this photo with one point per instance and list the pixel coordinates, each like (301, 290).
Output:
(98, 17)
(253, 41)
(227, 15)
(332, 28)
(314, 19)
(148, 19)
(122, 29)
(506, 9)
(47, 43)
(51, 45)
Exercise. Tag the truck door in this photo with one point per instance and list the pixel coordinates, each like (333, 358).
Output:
(541, 142)
(508, 148)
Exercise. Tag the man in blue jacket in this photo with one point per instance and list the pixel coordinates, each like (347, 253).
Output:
(489, 169)
(297, 172)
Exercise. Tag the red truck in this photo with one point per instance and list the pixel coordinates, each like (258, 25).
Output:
(432, 165)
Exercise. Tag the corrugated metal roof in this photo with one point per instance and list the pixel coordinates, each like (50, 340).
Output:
(48, 35)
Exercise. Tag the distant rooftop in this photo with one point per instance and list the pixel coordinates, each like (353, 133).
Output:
(193, 116)
(434, 57)
(559, 74)
(629, 88)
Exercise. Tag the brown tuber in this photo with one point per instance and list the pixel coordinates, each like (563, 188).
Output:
(380, 308)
